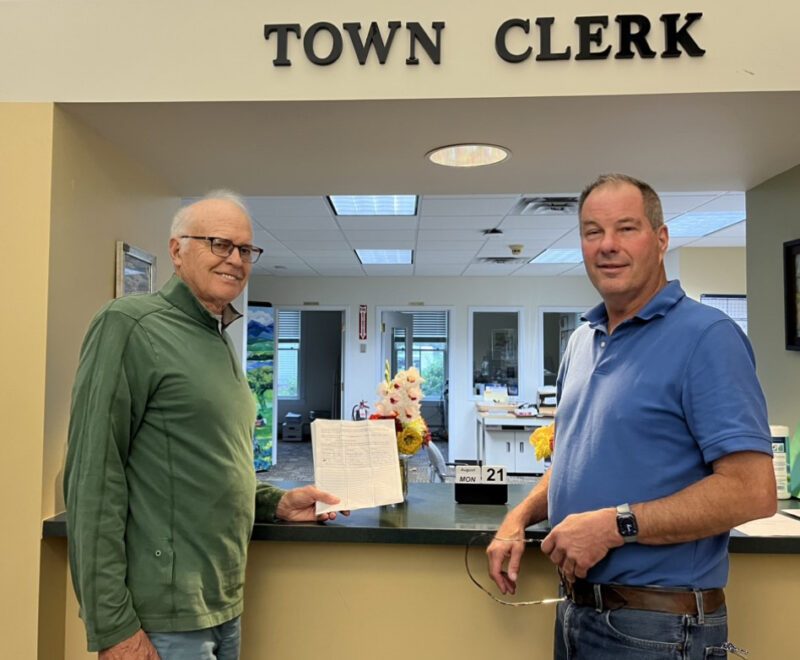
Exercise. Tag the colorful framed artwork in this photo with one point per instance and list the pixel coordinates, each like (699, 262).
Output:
(135, 271)
(260, 376)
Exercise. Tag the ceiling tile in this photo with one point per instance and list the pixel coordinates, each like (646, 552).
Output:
(443, 257)
(295, 222)
(448, 205)
(381, 223)
(477, 222)
(442, 270)
(389, 270)
(472, 235)
(287, 235)
(683, 202)
(381, 239)
(288, 206)
(563, 222)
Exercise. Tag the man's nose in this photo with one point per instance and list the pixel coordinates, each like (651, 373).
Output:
(235, 257)
(609, 242)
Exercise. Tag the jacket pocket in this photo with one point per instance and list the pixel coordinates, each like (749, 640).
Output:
(150, 577)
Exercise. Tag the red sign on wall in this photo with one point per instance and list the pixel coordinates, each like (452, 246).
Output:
(362, 322)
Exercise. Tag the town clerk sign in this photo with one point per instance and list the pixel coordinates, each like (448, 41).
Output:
(594, 38)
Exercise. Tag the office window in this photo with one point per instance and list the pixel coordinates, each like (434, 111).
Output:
(430, 351)
(288, 354)
(495, 350)
(734, 306)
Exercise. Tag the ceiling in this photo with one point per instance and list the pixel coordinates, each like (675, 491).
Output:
(700, 151)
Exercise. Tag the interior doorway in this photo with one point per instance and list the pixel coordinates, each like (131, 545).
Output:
(421, 338)
(309, 358)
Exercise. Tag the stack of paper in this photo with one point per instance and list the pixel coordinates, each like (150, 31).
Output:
(357, 462)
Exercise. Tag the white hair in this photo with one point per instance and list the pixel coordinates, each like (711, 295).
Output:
(183, 217)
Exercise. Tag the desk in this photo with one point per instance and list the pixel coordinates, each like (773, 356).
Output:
(390, 582)
(502, 439)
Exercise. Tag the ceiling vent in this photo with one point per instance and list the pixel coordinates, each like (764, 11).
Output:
(503, 260)
(546, 205)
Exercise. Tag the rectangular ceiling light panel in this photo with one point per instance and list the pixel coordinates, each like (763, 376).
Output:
(558, 256)
(374, 204)
(385, 257)
(694, 225)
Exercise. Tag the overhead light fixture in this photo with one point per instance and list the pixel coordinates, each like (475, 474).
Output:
(558, 256)
(385, 257)
(374, 204)
(695, 225)
(468, 155)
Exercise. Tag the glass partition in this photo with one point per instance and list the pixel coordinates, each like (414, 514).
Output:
(556, 328)
(495, 350)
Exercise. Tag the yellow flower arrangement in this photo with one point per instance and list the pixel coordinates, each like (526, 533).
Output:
(542, 439)
(401, 398)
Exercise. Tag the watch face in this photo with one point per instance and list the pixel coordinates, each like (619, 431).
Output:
(627, 525)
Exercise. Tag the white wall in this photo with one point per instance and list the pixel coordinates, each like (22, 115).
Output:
(773, 217)
(362, 371)
(713, 270)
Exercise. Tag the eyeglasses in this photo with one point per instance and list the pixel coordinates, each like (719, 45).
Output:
(223, 247)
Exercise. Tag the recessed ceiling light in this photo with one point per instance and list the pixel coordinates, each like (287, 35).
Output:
(468, 155)
(558, 256)
(694, 225)
(374, 204)
(385, 257)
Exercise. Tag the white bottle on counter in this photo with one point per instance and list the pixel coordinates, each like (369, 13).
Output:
(779, 440)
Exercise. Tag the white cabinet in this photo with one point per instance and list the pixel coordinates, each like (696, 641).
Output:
(509, 446)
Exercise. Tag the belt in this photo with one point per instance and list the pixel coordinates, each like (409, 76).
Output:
(654, 599)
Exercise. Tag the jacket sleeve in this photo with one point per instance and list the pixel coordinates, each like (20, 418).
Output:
(267, 498)
(103, 414)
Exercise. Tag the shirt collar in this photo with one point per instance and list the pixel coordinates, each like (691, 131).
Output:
(657, 306)
(178, 293)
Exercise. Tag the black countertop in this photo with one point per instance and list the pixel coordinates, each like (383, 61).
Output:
(432, 517)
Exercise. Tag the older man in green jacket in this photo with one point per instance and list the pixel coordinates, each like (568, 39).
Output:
(159, 483)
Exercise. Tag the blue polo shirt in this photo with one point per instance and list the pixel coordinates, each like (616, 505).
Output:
(642, 414)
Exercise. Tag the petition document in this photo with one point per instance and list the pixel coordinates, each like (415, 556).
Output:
(357, 462)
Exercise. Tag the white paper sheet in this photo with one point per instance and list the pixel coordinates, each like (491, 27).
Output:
(791, 512)
(357, 462)
(777, 525)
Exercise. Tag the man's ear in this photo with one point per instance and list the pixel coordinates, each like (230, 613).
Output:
(662, 234)
(175, 251)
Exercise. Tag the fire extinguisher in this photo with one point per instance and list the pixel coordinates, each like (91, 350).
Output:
(361, 411)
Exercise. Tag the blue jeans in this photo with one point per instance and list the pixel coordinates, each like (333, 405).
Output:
(218, 643)
(583, 633)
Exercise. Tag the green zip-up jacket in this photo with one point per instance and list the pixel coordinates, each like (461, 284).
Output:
(159, 481)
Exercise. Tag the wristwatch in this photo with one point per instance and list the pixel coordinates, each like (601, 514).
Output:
(626, 523)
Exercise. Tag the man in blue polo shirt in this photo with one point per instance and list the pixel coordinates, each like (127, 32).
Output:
(662, 446)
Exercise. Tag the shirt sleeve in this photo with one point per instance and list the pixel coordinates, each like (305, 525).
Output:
(267, 498)
(102, 417)
(725, 407)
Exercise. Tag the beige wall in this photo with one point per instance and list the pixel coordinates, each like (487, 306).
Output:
(60, 43)
(773, 217)
(713, 270)
(98, 196)
(25, 161)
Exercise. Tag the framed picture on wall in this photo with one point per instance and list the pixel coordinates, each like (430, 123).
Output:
(791, 288)
(136, 271)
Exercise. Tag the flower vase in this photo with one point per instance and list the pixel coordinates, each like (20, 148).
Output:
(404, 462)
